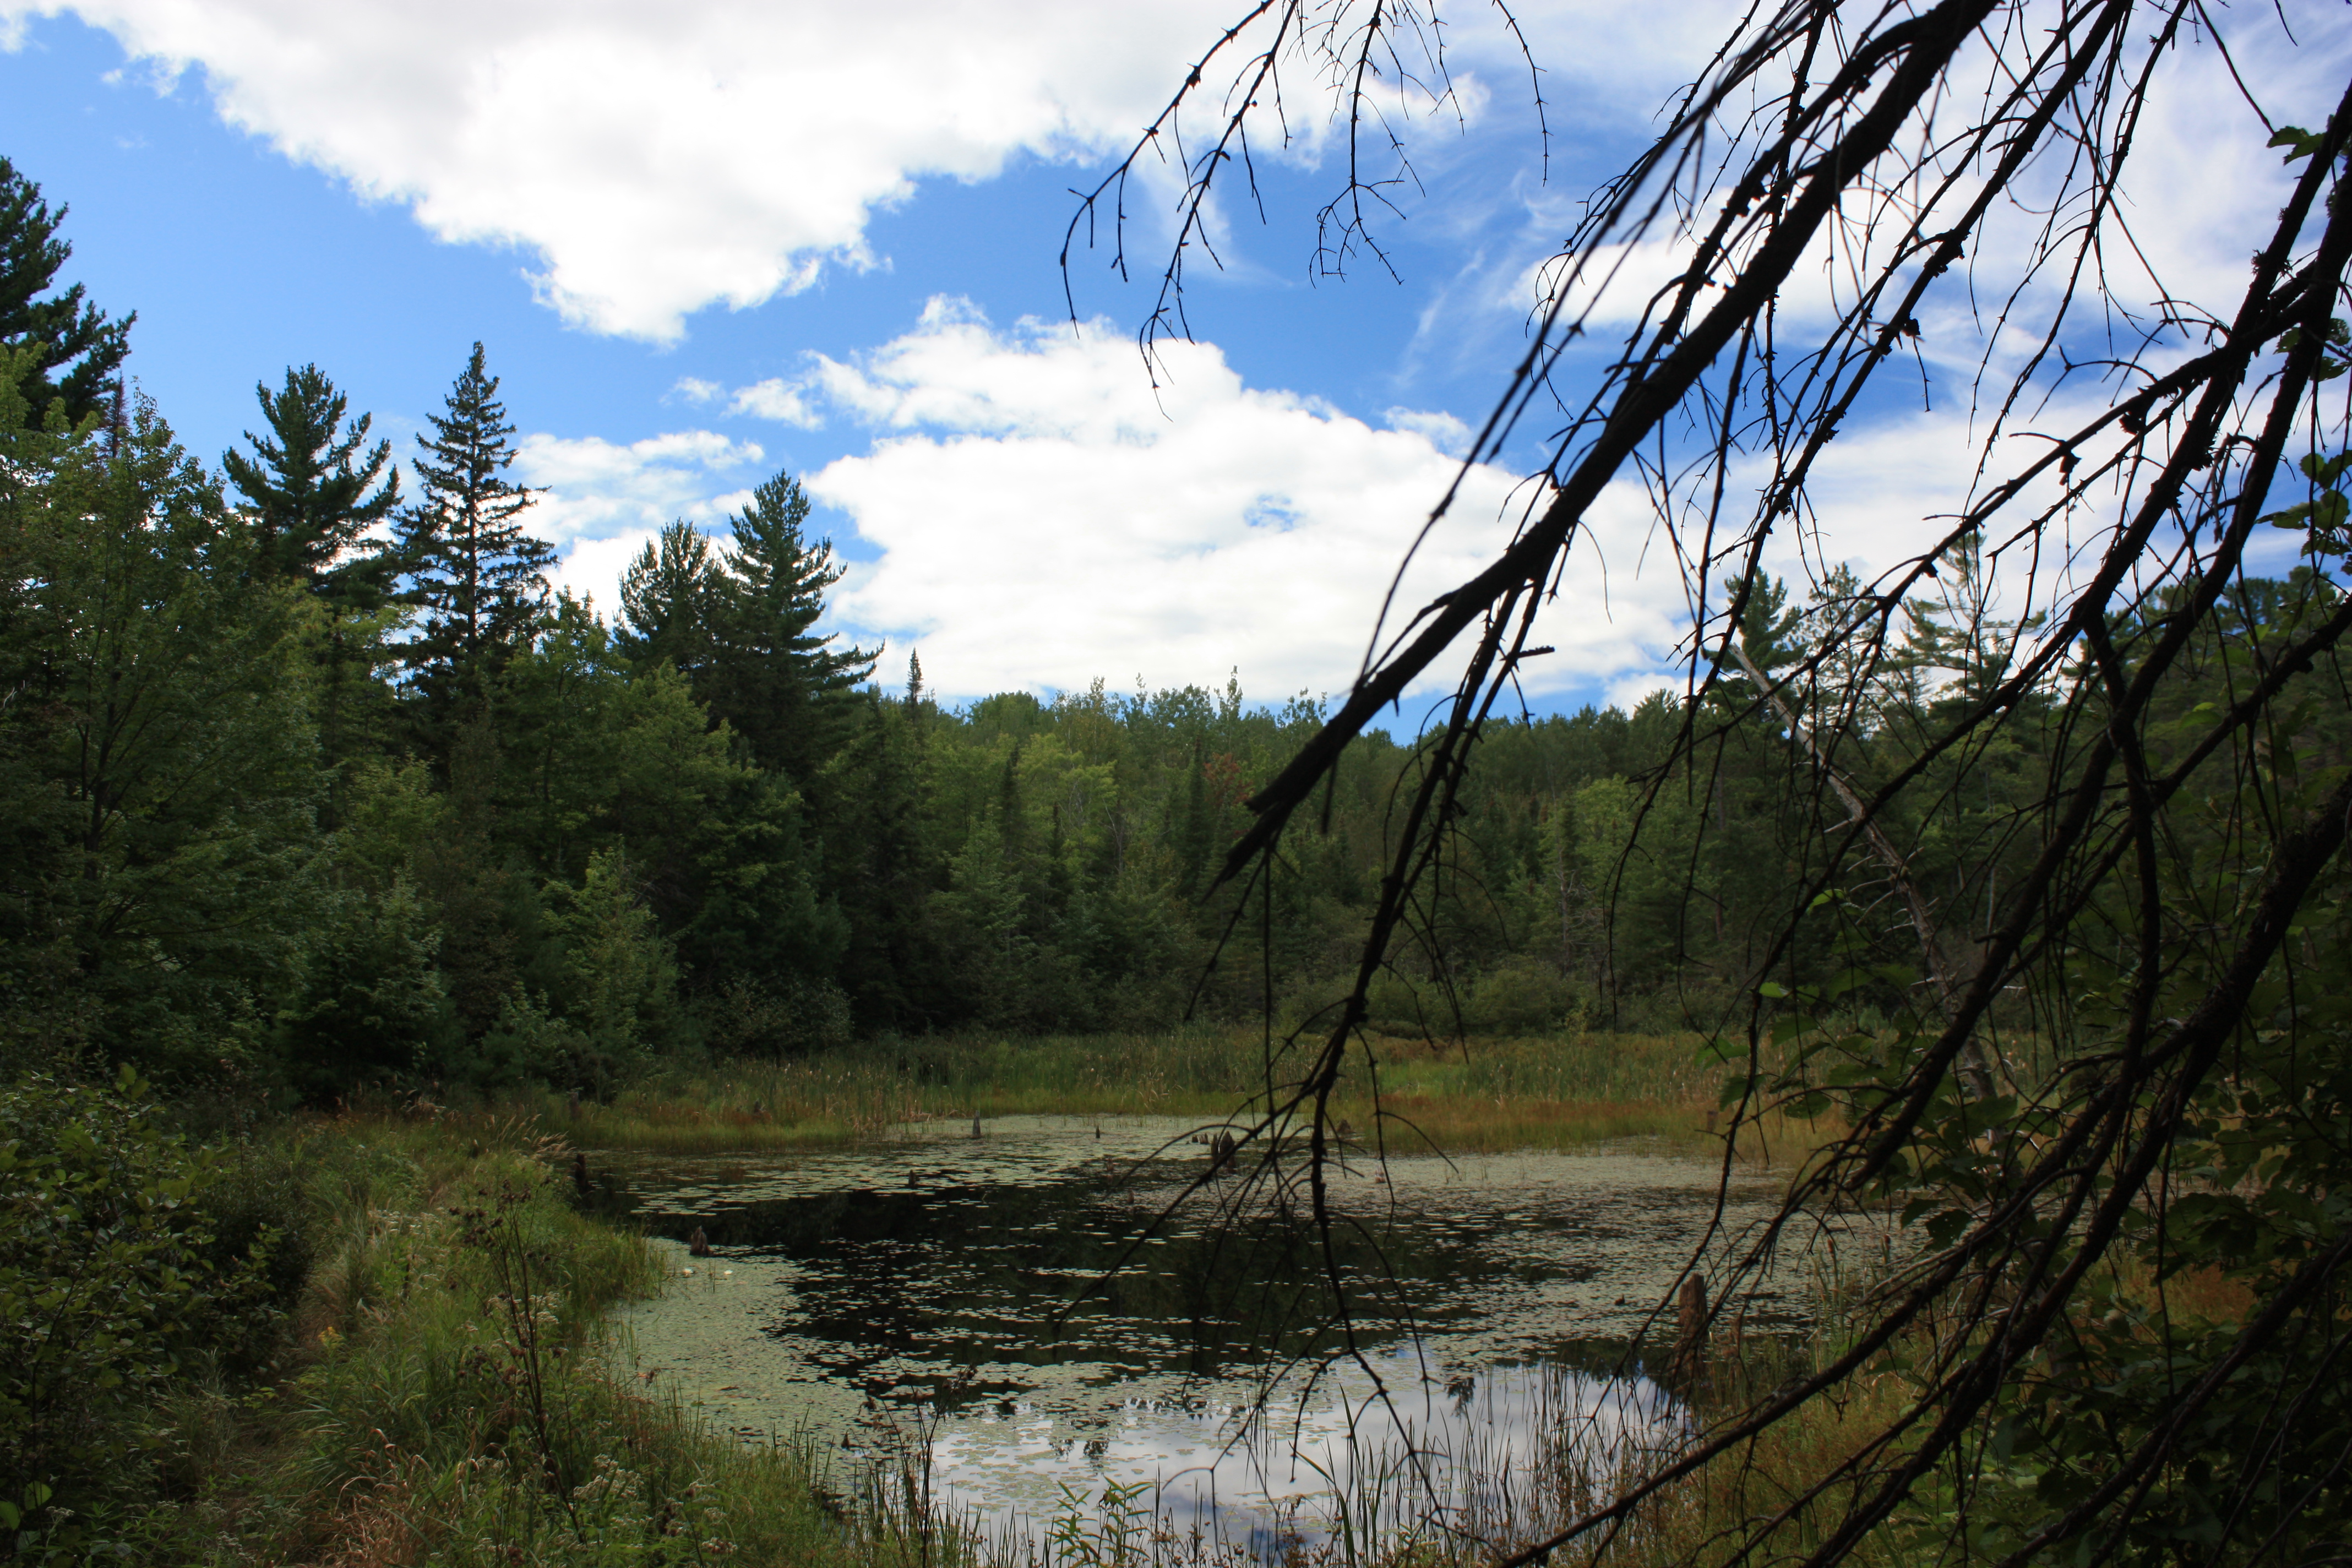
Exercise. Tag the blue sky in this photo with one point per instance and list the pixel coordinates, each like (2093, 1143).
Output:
(707, 241)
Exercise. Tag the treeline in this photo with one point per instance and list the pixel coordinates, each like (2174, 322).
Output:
(310, 777)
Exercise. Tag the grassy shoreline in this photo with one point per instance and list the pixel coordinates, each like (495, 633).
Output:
(1563, 1092)
(447, 1389)
(448, 1392)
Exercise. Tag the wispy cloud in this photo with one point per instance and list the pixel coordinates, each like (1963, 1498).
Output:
(604, 499)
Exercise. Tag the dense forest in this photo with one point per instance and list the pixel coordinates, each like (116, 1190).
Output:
(311, 781)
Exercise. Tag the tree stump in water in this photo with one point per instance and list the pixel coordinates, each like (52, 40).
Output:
(1689, 1363)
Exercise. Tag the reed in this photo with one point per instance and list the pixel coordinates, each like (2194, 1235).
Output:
(1560, 1091)
(1465, 1497)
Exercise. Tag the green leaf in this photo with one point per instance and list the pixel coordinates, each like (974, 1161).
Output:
(2300, 143)
(2324, 471)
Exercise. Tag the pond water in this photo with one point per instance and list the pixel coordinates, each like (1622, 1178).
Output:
(1026, 1289)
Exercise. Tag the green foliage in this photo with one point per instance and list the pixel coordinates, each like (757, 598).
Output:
(311, 495)
(623, 999)
(109, 1281)
(672, 601)
(70, 352)
(2325, 519)
(459, 1399)
(748, 1016)
(602, 757)
(740, 624)
(476, 577)
(158, 761)
(372, 1003)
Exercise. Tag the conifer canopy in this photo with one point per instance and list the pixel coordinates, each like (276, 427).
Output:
(77, 351)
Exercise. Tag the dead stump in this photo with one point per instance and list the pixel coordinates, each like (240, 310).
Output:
(1689, 1361)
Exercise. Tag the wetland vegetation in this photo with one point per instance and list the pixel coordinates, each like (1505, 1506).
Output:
(383, 933)
(1526, 1092)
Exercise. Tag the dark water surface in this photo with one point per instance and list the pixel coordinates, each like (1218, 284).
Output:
(1495, 1295)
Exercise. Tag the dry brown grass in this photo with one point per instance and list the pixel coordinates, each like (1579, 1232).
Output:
(1462, 1124)
(1561, 1091)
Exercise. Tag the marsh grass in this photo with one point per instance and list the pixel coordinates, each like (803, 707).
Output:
(451, 1394)
(1560, 1091)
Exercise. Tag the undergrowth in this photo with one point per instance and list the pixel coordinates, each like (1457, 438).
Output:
(446, 1391)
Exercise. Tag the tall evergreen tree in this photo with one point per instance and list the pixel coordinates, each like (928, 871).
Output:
(671, 602)
(77, 351)
(478, 577)
(784, 688)
(312, 493)
(311, 489)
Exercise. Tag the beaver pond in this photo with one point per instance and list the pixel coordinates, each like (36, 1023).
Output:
(1016, 1310)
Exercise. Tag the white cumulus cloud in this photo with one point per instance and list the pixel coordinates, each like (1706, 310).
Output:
(657, 159)
(1043, 517)
(777, 399)
(651, 160)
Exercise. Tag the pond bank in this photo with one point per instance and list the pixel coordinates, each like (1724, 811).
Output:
(403, 1423)
(1564, 1091)
(446, 1390)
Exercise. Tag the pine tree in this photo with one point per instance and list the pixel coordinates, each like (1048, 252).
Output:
(785, 690)
(311, 489)
(77, 351)
(312, 495)
(671, 599)
(478, 577)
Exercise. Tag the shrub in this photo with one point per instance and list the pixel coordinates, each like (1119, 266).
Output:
(1522, 997)
(109, 1278)
(747, 1016)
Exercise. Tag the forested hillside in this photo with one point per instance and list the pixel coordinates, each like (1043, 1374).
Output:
(311, 780)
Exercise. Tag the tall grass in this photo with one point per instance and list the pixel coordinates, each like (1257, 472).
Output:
(1559, 1092)
(451, 1396)
(1465, 1499)
(450, 1393)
